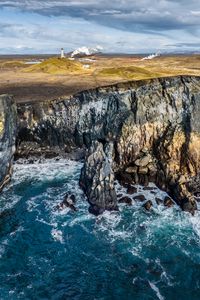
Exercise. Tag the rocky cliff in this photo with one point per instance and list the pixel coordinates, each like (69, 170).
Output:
(8, 120)
(153, 127)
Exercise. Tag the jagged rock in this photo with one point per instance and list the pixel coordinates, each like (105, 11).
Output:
(132, 170)
(97, 178)
(125, 200)
(153, 122)
(168, 202)
(143, 170)
(144, 161)
(119, 195)
(152, 169)
(131, 190)
(147, 205)
(140, 198)
(189, 206)
(124, 179)
(8, 128)
(69, 201)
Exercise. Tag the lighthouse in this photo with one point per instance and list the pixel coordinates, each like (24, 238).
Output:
(62, 54)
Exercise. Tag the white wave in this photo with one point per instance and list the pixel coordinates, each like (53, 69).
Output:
(156, 290)
(57, 235)
(48, 169)
(80, 219)
(195, 222)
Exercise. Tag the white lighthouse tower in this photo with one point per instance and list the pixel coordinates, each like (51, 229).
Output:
(62, 54)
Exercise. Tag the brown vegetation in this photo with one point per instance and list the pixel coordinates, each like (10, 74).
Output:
(55, 77)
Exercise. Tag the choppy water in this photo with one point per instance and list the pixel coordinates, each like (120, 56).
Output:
(45, 254)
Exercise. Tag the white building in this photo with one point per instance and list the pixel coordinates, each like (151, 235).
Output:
(62, 55)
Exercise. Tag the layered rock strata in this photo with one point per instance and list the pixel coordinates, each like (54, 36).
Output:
(8, 118)
(153, 126)
(97, 178)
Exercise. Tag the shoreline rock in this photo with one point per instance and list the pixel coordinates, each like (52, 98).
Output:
(8, 129)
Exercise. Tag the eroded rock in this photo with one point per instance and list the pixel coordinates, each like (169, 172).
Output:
(8, 128)
(125, 200)
(97, 178)
(148, 205)
(168, 202)
(131, 190)
(140, 198)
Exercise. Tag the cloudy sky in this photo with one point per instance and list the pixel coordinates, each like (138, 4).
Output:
(131, 26)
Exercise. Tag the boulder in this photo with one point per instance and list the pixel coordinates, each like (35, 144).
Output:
(143, 170)
(140, 198)
(131, 190)
(131, 170)
(69, 201)
(189, 206)
(144, 161)
(147, 205)
(124, 178)
(168, 202)
(125, 200)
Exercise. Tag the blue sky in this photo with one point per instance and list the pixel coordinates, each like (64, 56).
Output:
(129, 26)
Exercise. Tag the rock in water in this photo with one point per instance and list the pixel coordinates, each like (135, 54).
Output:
(148, 205)
(97, 178)
(189, 206)
(69, 201)
(8, 119)
(168, 202)
(126, 200)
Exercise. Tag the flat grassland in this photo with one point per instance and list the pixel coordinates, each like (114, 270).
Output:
(56, 78)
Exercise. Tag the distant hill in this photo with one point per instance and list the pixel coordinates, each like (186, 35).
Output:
(128, 73)
(56, 65)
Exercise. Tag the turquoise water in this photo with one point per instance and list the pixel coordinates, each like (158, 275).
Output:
(45, 254)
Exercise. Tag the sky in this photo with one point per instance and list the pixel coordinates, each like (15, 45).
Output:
(126, 26)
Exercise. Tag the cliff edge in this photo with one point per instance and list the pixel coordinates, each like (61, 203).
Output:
(8, 129)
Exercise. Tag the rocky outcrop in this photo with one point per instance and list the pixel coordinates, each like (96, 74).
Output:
(8, 119)
(153, 125)
(97, 178)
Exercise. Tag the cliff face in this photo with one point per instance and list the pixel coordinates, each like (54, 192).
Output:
(8, 118)
(153, 125)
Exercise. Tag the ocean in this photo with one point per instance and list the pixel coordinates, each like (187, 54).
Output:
(125, 255)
